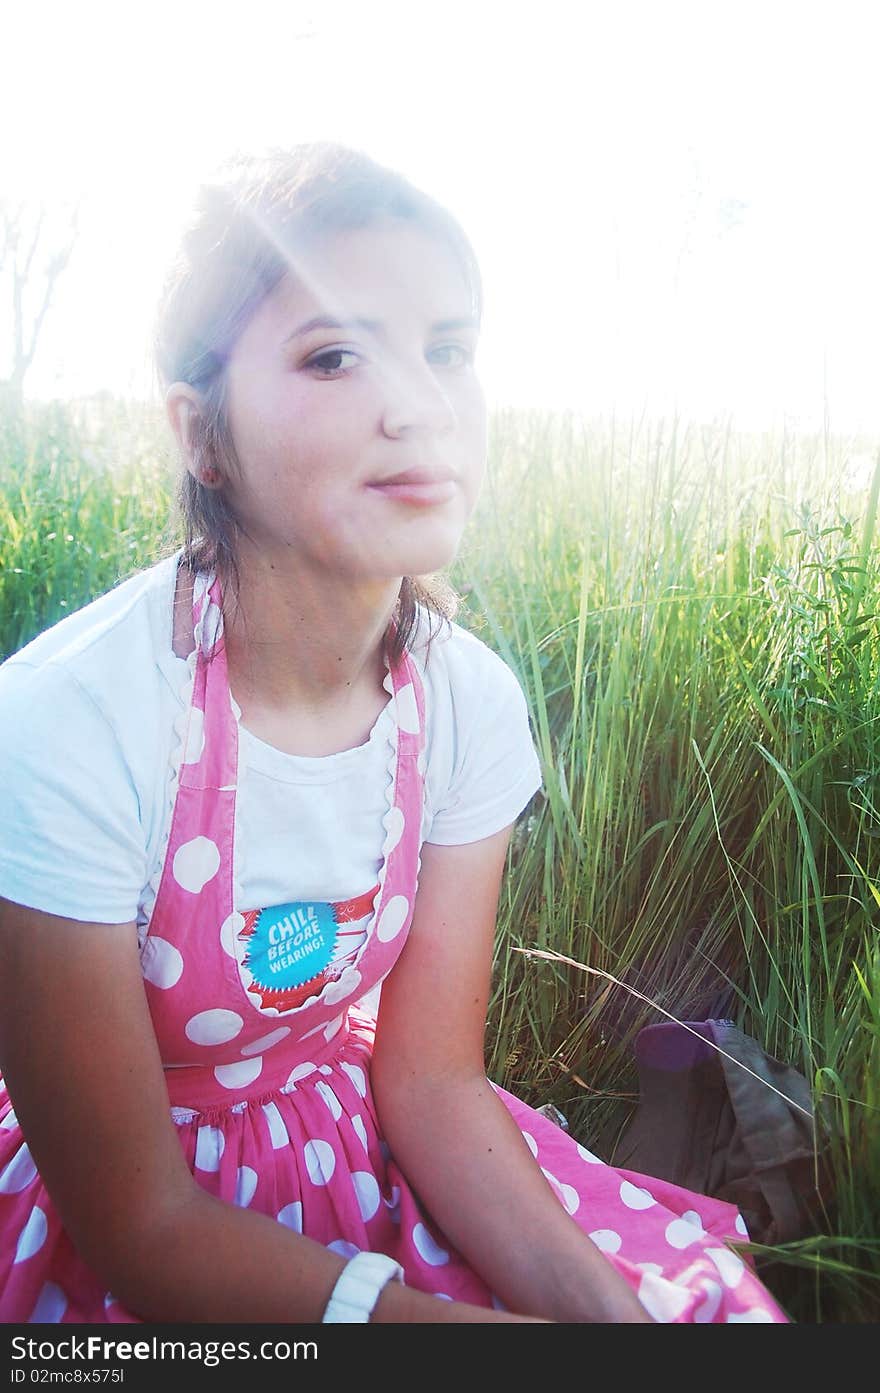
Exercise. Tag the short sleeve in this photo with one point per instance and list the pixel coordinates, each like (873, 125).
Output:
(71, 841)
(495, 769)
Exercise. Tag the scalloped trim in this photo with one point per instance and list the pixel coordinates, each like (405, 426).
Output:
(179, 731)
(202, 584)
(390, 801)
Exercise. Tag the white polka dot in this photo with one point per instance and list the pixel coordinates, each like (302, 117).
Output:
(245, 1186)
(324, 1069)
(441, 1296)
(9, 1121)
(407, 709)
(427, 1249)
(730, 1267)
(367, 1191)
(346, 985)
(567, 1193)
(212, 626)
(740, 1226)
(277, 1131)
(360, 1130)
(393, 1205)
(210, 1142)
(343, 1248)
(531, 1144)
(232, 925)
(330, 1099)
(756, 1316)
(650, 1267)
(109, 1299)
(315, 1030)
(393, 918)
(195, 736)
(661, 1298)
(607, 1240)
(213, 1027)
(161, 963)
(301, 1071)
(320, 1161)
(195, 863)
(570, 1197)
(32, 1236)
(183, 1115)
(19, 1173)
(266, 1042)
(634, 1197)
(291, 1216)
(238, 1075)
(394, 830)
(50, 1307)
(333, 1027)
(684, 1231)
(708, 1307)
(357, 1076)
(586, 1155)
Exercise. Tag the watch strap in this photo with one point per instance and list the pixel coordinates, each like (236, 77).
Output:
(359, 1286)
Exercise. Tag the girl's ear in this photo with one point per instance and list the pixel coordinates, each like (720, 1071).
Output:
(185, 410)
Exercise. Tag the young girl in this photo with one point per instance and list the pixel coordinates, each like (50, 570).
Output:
(249, 785)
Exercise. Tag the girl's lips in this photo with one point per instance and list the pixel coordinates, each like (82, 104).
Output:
(421, 490)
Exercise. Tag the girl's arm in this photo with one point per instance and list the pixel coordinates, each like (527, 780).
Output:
(448, 1130)
(82, 1067)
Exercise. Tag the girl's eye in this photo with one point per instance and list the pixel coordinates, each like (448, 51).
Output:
(329, 363)
(453, 355)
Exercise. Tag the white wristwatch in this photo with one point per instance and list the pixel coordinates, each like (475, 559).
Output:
(359, 1287)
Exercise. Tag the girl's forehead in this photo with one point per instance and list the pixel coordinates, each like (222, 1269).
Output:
(358, 272)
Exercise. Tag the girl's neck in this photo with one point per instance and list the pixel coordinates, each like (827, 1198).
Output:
(299, 642)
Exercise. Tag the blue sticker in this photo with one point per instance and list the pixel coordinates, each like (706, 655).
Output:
(291, 943)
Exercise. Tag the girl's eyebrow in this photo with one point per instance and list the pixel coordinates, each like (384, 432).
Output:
(325, 321)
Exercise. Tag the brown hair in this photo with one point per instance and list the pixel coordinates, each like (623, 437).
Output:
(235, 251)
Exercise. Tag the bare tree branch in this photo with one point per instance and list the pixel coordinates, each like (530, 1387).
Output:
(31, 281)
(35, 242)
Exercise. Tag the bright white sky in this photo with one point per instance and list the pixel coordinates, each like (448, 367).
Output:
(674, 204)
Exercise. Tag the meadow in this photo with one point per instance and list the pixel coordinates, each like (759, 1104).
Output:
(692, 613)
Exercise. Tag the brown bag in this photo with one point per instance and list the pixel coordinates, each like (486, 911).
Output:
(708, 1121)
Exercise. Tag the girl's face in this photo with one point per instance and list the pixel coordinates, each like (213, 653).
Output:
(355, 410)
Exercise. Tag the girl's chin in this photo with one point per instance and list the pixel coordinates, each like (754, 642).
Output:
(434, 550)
(360, 555)
(425, 561)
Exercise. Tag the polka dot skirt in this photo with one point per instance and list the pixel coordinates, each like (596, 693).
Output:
(275, 1113)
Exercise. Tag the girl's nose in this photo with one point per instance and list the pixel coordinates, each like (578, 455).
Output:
(415, 402)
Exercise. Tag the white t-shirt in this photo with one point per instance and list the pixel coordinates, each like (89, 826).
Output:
(90, 714)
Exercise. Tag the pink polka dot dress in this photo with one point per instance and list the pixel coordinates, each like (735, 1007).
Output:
(274, 1109)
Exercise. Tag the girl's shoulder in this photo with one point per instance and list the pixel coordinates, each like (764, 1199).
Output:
(111, 652)
(137, 597)
(455, 660)
(482, 767)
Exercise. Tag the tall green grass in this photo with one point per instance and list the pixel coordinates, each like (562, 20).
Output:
(692, 614)
(84, 500)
